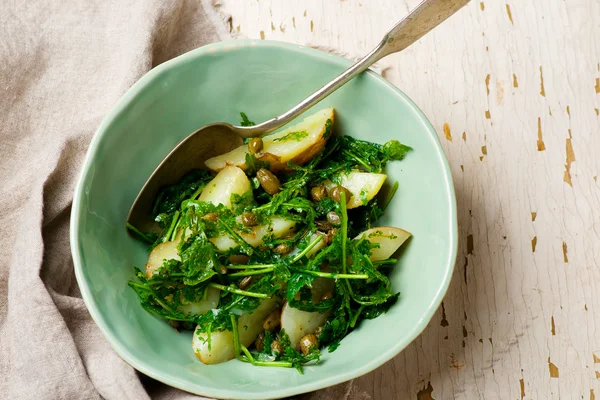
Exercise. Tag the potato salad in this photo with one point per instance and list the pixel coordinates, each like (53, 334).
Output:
(273, 252)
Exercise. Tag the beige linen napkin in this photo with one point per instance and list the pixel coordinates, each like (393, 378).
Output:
(63, 65)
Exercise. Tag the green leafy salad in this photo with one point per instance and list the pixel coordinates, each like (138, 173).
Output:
(273, 253)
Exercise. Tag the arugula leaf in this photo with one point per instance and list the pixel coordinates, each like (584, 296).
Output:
(245, 120)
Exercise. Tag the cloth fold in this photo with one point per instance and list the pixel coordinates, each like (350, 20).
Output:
(64, 66)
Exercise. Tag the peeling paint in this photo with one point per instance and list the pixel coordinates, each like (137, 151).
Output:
(569, 112)
(509, 13)
(491, 341)
(469, 244)
(564, 249)
(481, 158)
(465, 272)
(312, 26)
(570, 159)
(542, 90)
(487, 114)
(597, 111)
(540, 142)
(482, 6)
(522, 385)
(465, 334)
(464, 136)
(272, 26)
(480, 340)
(262, 35)
(425, 393)
(444, 322)
(585, 307)
(553, 369)
(533, 244)
(294, 22)
(596, 359)
(282, 28)
(549, 111)
(515, 81)
(533, 215)
(597, 374)
(305, 13)
(487, 84)
(552, 326)
(487, 48)
(484, 150)
(447, 132)
(462, 168)
(592, 397)
(597, 87)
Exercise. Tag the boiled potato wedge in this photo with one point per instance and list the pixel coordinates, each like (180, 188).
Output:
(298, 323)
(211, 301)
(278, 227)
(362, 185)
(221, 346)
(298, 143)
(158, 255)
(229, 180)
(388, 238)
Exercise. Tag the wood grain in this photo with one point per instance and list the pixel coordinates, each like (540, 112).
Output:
(513, 89)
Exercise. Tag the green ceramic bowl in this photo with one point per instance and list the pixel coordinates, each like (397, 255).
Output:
(263, 79)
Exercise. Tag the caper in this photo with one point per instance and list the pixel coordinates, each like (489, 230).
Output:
(333, 218)
(282, 249)
(211, 217)
(276, 347)
(175, 324)
(244, 283)
(318, 193)
(259, 343)
(255, 145)
(239, 259)
(249, 218)
(268, 181)
(323, 226)
(272, 321)
(331, 235)
(308, 342)
(335, 194)
(223, 269)
(326, 296)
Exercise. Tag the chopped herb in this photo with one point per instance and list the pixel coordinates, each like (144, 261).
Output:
(292, 136)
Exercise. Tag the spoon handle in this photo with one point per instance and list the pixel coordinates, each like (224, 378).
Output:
(425, 17)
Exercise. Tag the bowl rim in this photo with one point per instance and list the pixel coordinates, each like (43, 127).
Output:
(336, 378)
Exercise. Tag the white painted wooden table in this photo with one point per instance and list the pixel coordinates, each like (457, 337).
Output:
(513, 90)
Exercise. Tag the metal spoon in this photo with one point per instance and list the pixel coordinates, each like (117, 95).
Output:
(221, 137)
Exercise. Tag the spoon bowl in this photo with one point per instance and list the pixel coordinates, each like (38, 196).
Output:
(209, 141)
